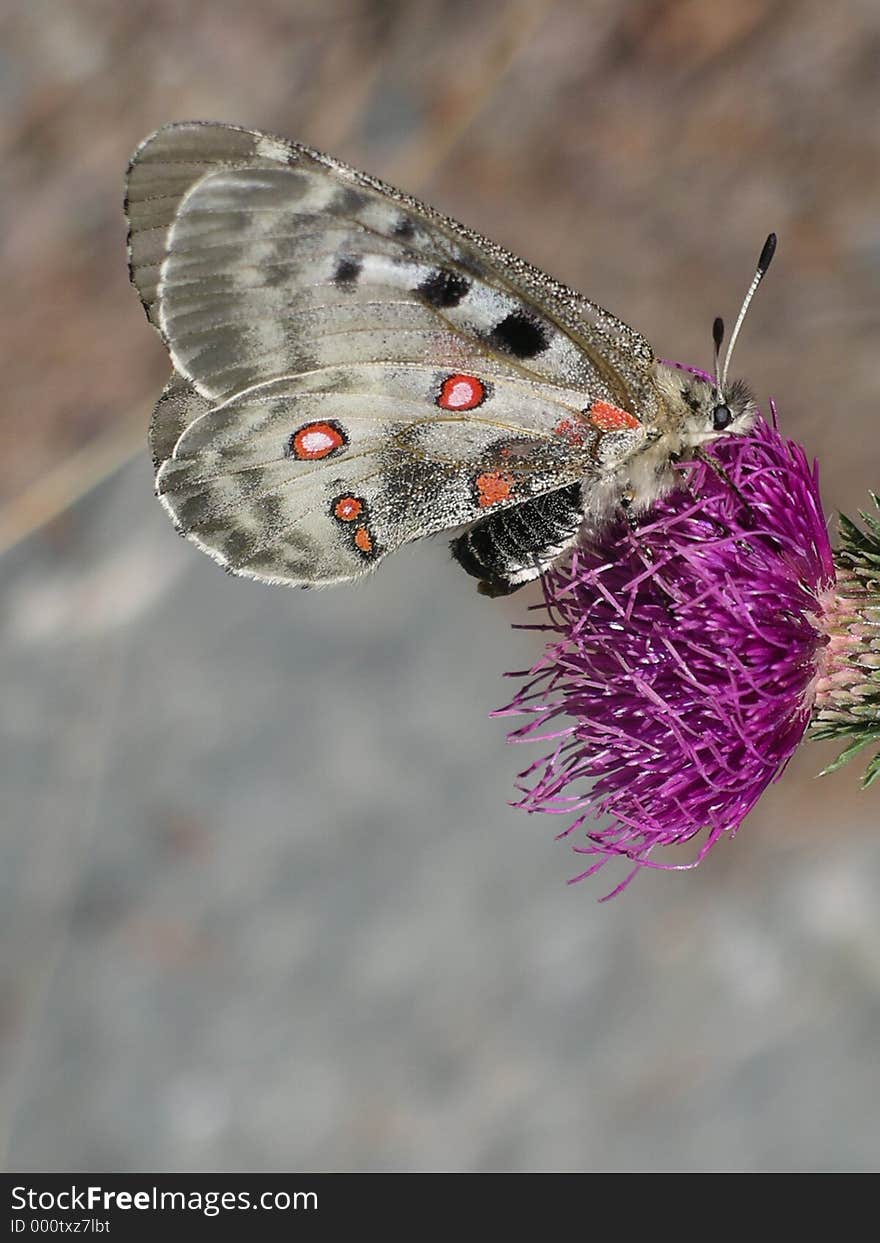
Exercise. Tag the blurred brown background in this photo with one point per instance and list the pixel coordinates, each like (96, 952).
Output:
(263, 905)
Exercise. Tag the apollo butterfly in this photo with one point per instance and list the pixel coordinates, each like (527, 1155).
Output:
(353, 370)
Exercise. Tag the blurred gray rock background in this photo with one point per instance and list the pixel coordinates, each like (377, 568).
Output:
(263, 904)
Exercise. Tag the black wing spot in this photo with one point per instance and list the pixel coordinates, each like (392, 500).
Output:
(348, 269)
(444, 288)
(404, 228)
(520, 334)
(348, 201)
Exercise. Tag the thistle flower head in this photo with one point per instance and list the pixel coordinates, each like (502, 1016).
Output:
(684, 658)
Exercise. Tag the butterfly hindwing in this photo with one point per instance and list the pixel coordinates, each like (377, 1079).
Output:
(314, 478)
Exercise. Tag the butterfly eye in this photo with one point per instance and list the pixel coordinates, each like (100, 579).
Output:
(722, 416)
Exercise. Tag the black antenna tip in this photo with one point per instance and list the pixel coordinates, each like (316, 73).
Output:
(718, 332)
(767, 253)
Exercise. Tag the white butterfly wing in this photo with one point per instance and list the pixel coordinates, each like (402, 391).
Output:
(173, 159)
(356, 371)
(314, 478)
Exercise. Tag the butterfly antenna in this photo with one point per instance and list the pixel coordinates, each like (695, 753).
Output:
(717, 338)
(767, 253)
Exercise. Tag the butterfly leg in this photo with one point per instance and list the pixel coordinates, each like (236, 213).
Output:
(627, 500)
(718, 470)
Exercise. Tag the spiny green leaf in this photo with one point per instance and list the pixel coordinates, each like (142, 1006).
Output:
(872, 772)
(855, 714)
(845, 756)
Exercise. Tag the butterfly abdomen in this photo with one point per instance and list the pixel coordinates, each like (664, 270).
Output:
(512, 547)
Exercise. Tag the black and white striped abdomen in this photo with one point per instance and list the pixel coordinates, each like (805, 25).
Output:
(514, 546)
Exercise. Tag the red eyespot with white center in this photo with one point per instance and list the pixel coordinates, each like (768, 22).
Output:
(347, 508)
(316, 440)
(461, 392)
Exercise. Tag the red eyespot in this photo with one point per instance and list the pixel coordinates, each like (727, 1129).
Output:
(610, 418)
(347, 508)
(461, 392)
(316, 440)
(350, 509)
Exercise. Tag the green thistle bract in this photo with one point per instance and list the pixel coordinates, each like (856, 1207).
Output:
(848, 687)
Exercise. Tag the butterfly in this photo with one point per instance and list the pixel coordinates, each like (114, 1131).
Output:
(353, 371)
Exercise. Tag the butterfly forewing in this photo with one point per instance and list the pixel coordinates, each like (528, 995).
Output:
(280, 270)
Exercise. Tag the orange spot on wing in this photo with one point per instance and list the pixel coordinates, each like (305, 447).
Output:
(492, 487)
(347, 508)
(610, 418)
(363, 539)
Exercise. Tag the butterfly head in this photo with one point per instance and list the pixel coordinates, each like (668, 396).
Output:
(701, 411)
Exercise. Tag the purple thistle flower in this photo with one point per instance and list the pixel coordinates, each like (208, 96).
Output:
(686, 657)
